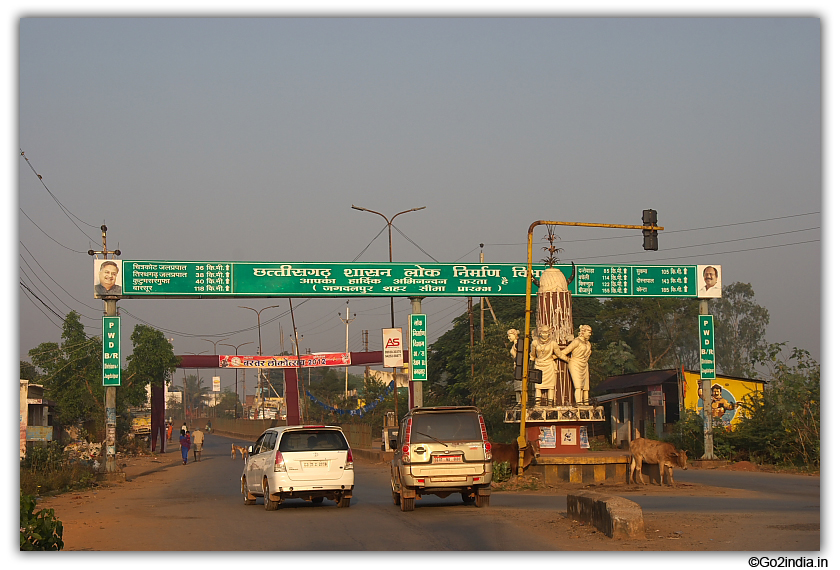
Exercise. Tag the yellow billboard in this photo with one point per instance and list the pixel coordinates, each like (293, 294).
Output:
(728, 394)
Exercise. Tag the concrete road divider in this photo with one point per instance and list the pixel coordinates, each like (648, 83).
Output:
(616, 517)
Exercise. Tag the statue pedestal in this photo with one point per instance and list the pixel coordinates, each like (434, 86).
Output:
(560, 438)
(562, 430)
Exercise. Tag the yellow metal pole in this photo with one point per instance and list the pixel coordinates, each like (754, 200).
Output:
(523, 441)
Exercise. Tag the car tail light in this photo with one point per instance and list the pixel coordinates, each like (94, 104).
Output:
(405, 448)
(488, 448)
(279, 464)
(348, 463)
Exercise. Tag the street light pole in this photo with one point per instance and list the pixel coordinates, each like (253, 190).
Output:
(215, 399)
(185, 384)
(236, 374)
(346, 322)
(390, 246)
(259, 338)
(391, 259)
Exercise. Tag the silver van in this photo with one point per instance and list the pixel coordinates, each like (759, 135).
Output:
(440, 451)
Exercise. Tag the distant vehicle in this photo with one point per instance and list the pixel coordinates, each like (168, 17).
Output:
(299, 462)
(141, 424)
(440, 451)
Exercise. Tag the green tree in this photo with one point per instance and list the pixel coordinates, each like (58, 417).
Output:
(152, 362)
(740, 324)
(615, 360)
(492, 385)
(28, 371)
(655, 329)
(196, 393)
(782, 423)
(228, 404)
(72, 376)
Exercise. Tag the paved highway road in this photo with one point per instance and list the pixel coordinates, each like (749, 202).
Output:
(198, 507)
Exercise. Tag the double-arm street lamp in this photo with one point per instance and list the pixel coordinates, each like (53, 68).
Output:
(215, 342)
(259, 339)
(390, 244)
(390, 259)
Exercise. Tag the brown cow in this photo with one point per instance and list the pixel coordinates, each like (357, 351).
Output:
(655, 452)
(510, 452)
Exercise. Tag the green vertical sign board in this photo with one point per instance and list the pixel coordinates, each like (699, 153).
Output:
(417, 334)
(707, 347)
(110, 351)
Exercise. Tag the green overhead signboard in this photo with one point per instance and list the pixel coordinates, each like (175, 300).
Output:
(202, 279)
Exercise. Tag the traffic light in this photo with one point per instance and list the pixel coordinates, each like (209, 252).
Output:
(651, 241)
(534, 375)
(520, 353)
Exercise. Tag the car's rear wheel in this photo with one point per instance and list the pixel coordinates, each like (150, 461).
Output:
(482, 501)
(317, 500)
(247, 497)
(406, 504)
(269, 504)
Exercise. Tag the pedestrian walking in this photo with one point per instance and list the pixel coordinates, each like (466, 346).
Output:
(169, 431)
(185, 445)
(198, 444)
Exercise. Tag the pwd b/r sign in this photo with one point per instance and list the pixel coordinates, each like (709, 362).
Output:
(418, 350)
(110, 351)
(707, 347)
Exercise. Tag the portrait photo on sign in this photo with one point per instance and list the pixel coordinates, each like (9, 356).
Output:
(107, 278)
(708, 281)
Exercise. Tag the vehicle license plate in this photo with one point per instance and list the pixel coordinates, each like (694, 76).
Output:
(311, 464)
(447, 459)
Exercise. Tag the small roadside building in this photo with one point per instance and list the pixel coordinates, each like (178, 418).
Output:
(657, 397)
(36, 416)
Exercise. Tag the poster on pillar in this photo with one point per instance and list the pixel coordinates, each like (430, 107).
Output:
(392, 348)
(418, 348)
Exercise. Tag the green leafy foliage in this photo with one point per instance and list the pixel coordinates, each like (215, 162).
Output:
(39, 530)
(72, 375)
(740, 324)
(501, 472)
(783, 422)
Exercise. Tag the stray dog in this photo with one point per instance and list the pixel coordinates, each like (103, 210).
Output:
(243, 451)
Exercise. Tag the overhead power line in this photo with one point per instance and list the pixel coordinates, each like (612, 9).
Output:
(70, 215)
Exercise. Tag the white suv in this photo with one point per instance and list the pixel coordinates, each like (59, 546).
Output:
(302, 462)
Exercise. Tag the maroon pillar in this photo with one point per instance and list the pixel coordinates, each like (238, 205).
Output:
(292, 400)
(158, 417)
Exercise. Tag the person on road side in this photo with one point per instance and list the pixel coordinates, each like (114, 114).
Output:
(185, 445)
(198, 443)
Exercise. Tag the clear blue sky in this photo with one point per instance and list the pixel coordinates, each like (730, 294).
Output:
(249, 139)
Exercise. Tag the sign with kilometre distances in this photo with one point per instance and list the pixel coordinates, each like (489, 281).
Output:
(205, 279)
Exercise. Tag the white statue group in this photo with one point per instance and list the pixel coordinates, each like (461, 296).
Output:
(545, 352)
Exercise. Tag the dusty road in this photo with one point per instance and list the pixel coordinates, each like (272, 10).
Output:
(167, 506)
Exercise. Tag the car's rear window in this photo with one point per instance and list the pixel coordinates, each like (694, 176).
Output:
(313, 440)
(450, 426)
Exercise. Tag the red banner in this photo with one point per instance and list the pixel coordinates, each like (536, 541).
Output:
(305, 360)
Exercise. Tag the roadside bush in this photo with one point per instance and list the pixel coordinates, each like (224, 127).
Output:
(501, 472)
(46, 469)
(782, 424)
(41, 530)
